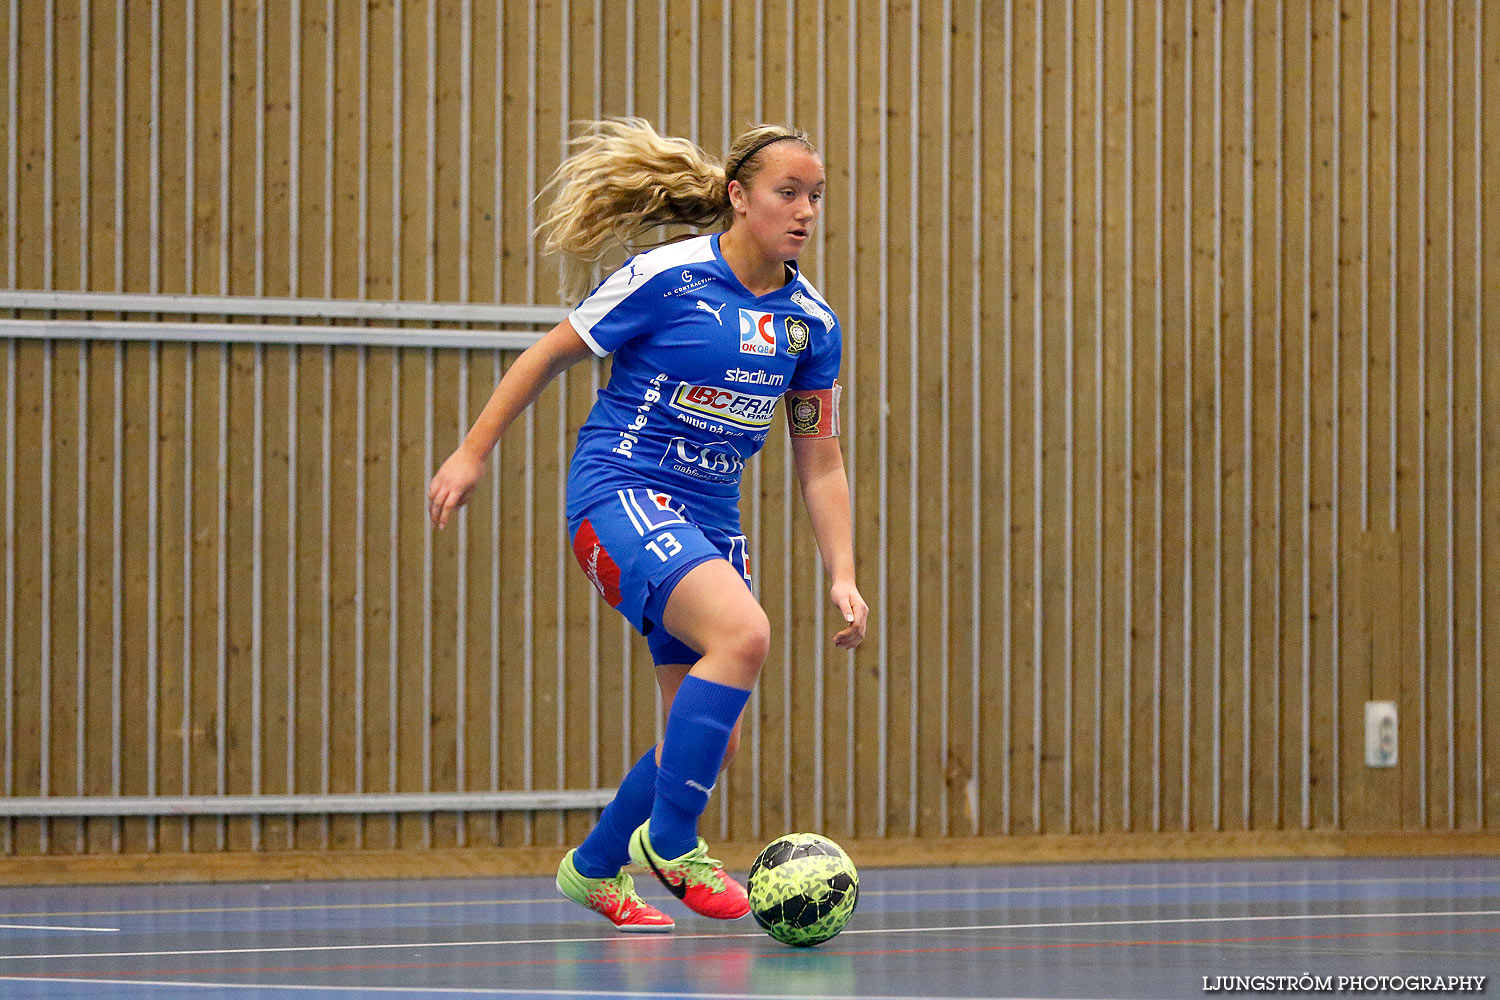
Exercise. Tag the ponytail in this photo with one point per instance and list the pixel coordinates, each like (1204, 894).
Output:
(624, 180)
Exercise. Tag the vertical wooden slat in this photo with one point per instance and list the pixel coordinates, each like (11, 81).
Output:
(12, 141)
(81, 622)
(11, 413)
(1335, 471)
(1351, 350)
(1487, 676)
(1159, 699)
(1022, 704)
(1419, 452)
(70, 374)
(1464, 526)
(1189, 487)
(377, 457)
(1093, 267)
(44, 664)
(1129, 280)
(1318, 379)
(278, 532)
(974, 64)
(1237, 247)
(69, 529)
(24, 586)
(1487, 137)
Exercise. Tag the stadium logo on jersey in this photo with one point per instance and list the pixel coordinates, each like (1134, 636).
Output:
(796, 336)
(704, 461)
(710, 309)
(747, 377)
(813, 308)
(738, 409)
(757, 333)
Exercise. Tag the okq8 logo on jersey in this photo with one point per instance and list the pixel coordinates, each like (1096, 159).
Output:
(757, 333)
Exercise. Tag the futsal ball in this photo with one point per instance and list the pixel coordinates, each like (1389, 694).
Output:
(803, 888)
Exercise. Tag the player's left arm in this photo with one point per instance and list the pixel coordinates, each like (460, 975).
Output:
(825, 490)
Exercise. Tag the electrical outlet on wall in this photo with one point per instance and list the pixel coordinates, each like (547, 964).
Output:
(1380, 733)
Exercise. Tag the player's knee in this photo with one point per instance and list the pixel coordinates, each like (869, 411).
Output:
(746, 641)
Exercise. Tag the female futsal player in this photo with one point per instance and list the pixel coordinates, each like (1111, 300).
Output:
(708, 334)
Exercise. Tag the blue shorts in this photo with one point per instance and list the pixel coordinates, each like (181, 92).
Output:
(635, 546)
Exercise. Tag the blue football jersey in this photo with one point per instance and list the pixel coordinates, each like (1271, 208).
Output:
(699, 367)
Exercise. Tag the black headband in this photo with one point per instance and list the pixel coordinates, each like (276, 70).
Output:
(734, 171)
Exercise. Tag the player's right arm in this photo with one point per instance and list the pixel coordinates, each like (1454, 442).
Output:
(559, 349)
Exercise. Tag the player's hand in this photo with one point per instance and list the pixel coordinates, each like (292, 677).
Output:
(855, 611)
(451, 487)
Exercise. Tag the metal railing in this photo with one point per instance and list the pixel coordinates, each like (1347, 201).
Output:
(303, 805)
(200, 331)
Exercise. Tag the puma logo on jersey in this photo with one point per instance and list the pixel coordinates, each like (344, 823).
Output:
(630, 278)
(710, 309)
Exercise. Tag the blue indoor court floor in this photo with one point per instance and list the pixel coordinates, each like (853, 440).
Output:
(1141, 930)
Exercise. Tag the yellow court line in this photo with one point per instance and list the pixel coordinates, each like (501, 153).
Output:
(992, 890)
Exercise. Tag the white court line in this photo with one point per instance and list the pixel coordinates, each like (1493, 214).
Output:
(55, 927)
(1010, 890)
(489, 991)
(1045, 925)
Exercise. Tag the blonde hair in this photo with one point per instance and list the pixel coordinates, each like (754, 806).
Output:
(624, 179)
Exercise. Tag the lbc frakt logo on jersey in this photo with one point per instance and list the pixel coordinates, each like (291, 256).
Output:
(737, 409)
(757, 333)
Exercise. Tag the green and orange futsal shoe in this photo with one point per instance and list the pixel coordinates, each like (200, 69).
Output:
(695, 878)
(615, 898)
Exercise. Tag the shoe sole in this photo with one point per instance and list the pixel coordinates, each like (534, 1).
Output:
(644, 928)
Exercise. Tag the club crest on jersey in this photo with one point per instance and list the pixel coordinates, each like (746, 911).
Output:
(796, 336)
(757, 333)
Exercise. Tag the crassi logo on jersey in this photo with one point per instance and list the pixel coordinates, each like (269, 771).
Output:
(757, 333)
(813, 308)
(737, 409)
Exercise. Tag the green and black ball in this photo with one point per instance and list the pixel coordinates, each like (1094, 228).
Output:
(803, 889)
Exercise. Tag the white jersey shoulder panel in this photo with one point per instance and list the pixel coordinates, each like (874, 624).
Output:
(631, 278)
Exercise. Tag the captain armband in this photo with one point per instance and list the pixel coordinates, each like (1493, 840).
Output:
(814, 413)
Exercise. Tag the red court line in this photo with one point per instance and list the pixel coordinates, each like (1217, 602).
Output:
(722, 956)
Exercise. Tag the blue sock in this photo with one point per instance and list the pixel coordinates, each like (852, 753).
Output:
(692, 752)
(607, 848)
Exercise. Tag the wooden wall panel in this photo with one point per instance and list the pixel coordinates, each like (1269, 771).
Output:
(1169, 421)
